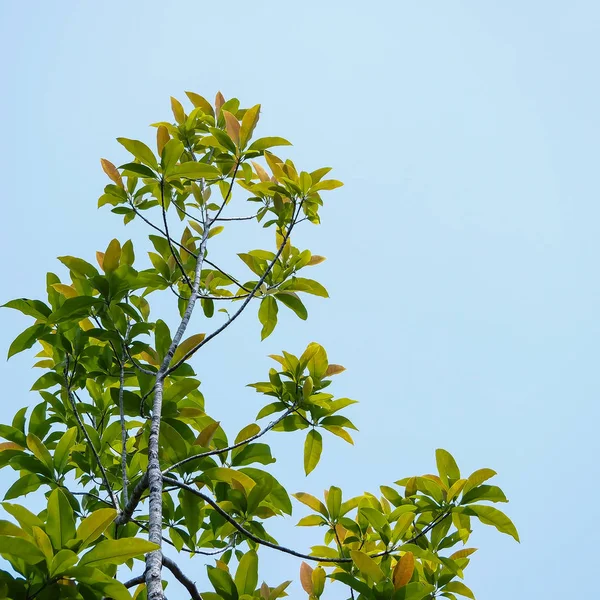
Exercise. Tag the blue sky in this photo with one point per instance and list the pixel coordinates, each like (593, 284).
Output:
(462, 252)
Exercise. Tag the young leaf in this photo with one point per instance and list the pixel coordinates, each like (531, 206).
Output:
(403, 570)
(306, 572)
(112, 172)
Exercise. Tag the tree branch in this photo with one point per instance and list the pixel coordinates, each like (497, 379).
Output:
(284, 549)
(187, 583)
(232, 447)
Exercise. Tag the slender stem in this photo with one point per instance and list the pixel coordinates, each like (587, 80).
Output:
(219, 451)
(167, 235)
(245, 303)
(87, 437)
(123, 429)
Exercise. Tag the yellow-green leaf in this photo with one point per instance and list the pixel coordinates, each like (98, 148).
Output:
(112, 256)
(367, 566)
(311, 502)
(206, 435)
(477, 478)
(447, 467)
(458, 587)
(116, 552)
(94, 525)
(200, 102)
(187, 345)
(39, 450)
(249, 121)
(313, 446)
(178, 111)
(492, 516)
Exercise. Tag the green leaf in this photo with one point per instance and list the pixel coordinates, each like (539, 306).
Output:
(223, 583)
(138, 169)
(26, 519)
(23, 486)
(311, 502)
(249, 121)
(267, 315)
(292, 301)
(367, 566)
(27, 338)
(334, 501)
(74, 309)
(60, 523)
(301, 284)
(116, 552)
(246, 576)
(327, 184)
(447, 467)
(491, 493)
(112, 256)
(94, 525)
(31, 308)
(63, 449)
(492, 516)
(201, 102)
(140, 151)
(163, 338)
(78, 266)
(18, 547)
(312, 450)
(195, 170)
(171, 154)
(262, 144)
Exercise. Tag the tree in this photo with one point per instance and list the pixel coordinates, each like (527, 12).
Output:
(121, 444)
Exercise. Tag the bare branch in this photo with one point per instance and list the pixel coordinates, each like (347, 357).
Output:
(187, 583)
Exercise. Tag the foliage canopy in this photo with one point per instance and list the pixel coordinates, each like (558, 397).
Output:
(121, 444)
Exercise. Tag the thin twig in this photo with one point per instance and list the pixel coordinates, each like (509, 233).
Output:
(123, 427)
(166, 224)
(87, 437)
(218, 451)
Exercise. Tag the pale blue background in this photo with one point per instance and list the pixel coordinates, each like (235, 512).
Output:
(462, 253)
